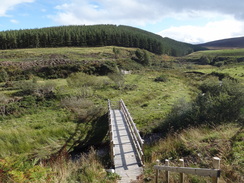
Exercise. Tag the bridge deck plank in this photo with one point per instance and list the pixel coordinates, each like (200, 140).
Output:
(126, 161)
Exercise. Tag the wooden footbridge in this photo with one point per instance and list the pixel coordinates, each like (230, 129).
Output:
(126, 144)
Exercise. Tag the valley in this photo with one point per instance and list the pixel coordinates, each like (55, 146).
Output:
(53, 111)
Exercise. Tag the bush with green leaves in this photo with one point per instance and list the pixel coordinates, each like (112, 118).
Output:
(32, 87)
(143, 57)
(219, 102)
(118, 79)
(162, 78)
(81, 79)
(205, 60)
(3, 75)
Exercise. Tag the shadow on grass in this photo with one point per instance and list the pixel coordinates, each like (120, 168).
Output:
(95, 136)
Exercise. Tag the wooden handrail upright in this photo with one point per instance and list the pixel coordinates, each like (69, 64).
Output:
(216, 165)
(111, 133)
(157, 172)
(182, 164)
(137, 140)
(167, 172)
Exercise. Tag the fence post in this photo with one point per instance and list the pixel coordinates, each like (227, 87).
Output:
(167, 172)
(157, 171)
(216, 165)
(182, 164)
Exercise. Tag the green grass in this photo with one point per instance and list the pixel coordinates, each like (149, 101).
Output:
(214, 53)
(41, 133)
(72, 53)
(235, 71)
(148, 101)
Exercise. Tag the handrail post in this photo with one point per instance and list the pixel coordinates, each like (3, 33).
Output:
(157, 172)
(182, 164)
(120, 104)
(167, 172)
(216, 165)
(143, 157)
(110, 133)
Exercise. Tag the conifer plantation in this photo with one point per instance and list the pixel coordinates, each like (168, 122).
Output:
(90, 36)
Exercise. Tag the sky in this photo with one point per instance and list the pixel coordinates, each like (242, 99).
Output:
(191, 21)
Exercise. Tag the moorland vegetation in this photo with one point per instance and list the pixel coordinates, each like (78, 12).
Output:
(53, 111)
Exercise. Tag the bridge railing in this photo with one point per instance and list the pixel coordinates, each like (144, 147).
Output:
(136, 137)
(111, 135)
(214, 173)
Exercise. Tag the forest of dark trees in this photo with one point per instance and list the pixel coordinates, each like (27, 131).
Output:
(93, 35)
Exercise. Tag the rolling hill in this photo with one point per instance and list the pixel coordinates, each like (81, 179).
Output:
(237, 42)
(93, 36)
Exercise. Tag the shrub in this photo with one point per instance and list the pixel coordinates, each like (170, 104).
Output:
(118, 79)
(142, 57)
(81, 80)
(31, 87)
(3, 103)
(161, 78)
(204, 60)
(116, 52)
(3, 75)
(80, 106)
(220, 103)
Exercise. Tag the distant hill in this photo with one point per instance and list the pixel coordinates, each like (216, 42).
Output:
(225, 43)
(92, 36)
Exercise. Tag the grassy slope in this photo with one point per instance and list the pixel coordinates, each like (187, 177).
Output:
(72, 53)
(148, 101)
(214, 53)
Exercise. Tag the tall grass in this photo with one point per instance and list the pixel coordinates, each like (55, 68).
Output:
(59, 168)
(197, 146)
(40, 133)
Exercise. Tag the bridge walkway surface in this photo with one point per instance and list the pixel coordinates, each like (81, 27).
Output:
(126, 161)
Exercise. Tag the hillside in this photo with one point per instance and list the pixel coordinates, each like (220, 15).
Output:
(225, 43)
(90, 36)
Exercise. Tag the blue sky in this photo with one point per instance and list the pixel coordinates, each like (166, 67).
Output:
(193, 21)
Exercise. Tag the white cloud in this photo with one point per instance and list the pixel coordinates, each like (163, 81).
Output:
(129, 12)
(226, 28)
(141, 12)
(7, 5)
(14, 21)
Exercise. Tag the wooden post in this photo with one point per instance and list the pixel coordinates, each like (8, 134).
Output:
(111, 150)
(216, 165)
(182, 164)
(167, 172)
(120, 104)
(157, 171)
(142, 147)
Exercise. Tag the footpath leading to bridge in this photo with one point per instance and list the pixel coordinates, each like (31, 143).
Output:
(125, 143)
